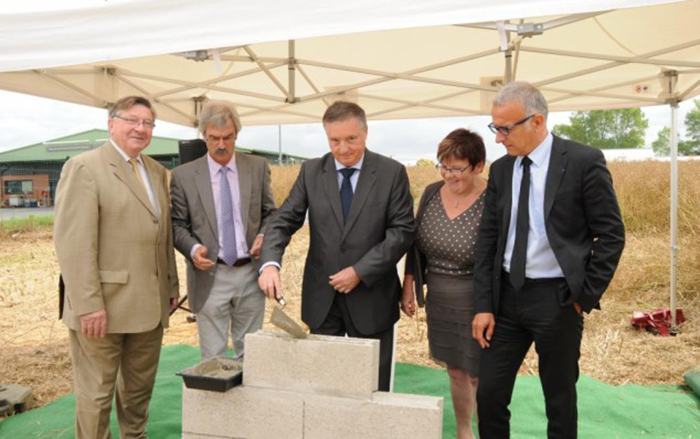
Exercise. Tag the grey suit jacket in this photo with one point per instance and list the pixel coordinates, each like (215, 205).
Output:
(379, 230)
(582, 220)
(194, 216)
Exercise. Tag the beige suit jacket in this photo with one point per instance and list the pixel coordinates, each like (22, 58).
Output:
(114, 251)
(194, 214)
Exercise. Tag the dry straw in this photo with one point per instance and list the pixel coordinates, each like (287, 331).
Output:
(34, 351)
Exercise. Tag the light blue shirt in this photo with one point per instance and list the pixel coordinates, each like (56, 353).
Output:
(540, 261)
(355, 175)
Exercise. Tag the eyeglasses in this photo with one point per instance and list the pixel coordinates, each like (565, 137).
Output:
(149, 125)
(505, 130)
(454, 171)
(216, 140)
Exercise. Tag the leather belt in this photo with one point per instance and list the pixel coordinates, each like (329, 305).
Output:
(545, 281)
(238, 263)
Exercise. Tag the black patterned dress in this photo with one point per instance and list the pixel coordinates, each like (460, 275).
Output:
(449, 247)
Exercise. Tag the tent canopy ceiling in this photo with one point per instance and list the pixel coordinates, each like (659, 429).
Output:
(450, 65)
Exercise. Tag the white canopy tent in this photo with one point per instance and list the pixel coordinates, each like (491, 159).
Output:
(285, 61)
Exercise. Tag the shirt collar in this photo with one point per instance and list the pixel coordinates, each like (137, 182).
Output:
(541, 153)
(122, 153)
(214, 167)
(358, 165)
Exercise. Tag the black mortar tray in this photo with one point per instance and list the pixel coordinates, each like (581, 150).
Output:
(216, 375)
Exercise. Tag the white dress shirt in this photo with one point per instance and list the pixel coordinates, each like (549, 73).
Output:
(540, 260)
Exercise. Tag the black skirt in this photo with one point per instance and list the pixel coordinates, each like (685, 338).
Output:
(450, 309)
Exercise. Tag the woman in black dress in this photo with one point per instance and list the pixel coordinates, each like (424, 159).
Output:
(443, 259)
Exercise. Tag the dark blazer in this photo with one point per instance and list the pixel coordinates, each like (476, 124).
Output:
(379, 230)
(582, 219)
(416, 263)
(194, 215)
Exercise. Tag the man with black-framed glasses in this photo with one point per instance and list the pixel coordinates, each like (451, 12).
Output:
(550, 240)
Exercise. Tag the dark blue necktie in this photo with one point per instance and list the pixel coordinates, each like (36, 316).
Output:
(522, 228)
(346, 191)
(228, 227)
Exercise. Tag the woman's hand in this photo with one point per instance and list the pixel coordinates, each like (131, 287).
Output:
(408, 298)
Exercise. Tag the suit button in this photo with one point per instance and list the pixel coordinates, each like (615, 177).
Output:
(155, 220)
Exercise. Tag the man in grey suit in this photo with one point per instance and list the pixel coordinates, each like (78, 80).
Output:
(360, 214)
(221, 203)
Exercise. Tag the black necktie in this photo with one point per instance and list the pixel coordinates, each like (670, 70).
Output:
(346, 191)
(522, 227)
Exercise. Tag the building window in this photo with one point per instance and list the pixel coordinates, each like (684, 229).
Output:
(19, 187)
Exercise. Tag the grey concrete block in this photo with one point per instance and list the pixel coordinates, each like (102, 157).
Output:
(15, 398)
(339, 366)
(242, 413)
(386, 415)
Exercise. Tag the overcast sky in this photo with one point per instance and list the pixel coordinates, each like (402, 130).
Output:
(25, 120)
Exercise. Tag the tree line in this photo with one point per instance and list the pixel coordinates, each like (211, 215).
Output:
(626, 128)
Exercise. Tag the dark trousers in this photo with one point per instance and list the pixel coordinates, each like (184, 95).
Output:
(532, 314)
(339, 323)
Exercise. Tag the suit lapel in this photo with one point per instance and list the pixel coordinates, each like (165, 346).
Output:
(507, 194)
(203, 181)
(245, 184)
(330, 184)
(365, 185)
(160, 197)
(555, 173)
(123, 172)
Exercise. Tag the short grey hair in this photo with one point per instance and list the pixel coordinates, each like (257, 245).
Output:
(219, 113)
(343, 110)
(524, 93)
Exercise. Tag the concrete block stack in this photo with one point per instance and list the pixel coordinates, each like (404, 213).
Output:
(320, 387)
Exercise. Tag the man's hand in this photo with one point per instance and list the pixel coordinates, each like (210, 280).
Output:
(408, 299)
(577, 307)
(482, 328)
(270, 282)
(94, 324)
(345, 280)
(200, 259)
(257, 245)
(173, 303)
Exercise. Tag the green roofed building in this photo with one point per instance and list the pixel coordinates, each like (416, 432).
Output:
(29, 175)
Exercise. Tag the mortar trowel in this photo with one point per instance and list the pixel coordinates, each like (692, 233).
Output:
(280, 319)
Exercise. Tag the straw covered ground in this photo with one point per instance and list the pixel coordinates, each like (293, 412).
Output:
(34, 348)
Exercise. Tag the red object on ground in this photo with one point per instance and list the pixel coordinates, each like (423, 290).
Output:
(657, 322)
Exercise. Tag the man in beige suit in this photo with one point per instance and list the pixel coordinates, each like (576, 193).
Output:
(114, 247)
(220, 205)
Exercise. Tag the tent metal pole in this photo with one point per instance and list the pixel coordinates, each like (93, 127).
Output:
(509, 61)
(279, 143)
(674, 208)
(292, 73)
